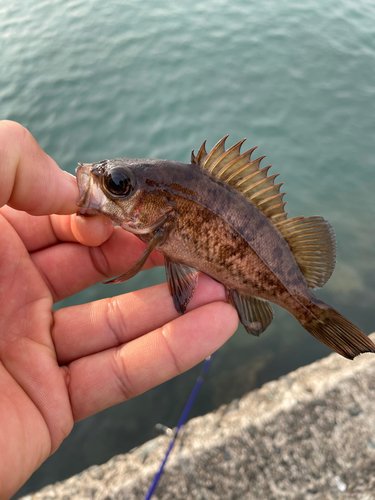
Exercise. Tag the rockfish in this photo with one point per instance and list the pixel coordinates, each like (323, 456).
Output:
(223, 215)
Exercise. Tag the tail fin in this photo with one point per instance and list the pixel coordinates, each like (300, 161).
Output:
(338, 333)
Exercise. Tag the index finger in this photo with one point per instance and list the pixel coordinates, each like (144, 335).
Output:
(30, 180)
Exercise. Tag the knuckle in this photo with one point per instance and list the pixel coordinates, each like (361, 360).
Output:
(116, 320)
(122, 378)
(174, 361)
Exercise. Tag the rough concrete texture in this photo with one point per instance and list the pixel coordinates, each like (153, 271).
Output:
(309, 435)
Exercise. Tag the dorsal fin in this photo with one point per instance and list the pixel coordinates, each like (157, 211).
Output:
(202, 153)
(311, 239)
(239, 171)
(225, 159)
(214, 154)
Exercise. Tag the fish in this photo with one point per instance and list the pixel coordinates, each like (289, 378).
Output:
(223, 215)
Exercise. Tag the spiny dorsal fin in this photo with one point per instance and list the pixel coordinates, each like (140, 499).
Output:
(312, 241)
(216, 152)
(225, 159)
(239, 171)
(202, 153)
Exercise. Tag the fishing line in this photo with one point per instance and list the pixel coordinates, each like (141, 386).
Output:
(181, 422)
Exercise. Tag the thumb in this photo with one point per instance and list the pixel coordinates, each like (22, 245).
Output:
(30, 180)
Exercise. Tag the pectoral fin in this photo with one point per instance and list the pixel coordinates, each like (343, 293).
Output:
(182, 281)
(255, 314)
(157, 238)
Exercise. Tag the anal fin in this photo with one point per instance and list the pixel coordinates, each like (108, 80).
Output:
(255, 314)
(182, 281)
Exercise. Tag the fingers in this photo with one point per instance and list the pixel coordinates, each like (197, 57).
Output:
(89, 328)
(31, 180)
(44, 231)
(68, 268)
(90, 231)
(115, 375)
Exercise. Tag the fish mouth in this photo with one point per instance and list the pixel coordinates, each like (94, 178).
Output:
(91, 197)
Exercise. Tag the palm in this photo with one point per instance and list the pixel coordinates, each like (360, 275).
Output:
(61, 367)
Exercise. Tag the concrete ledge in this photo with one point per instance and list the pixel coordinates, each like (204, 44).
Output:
(309, 435)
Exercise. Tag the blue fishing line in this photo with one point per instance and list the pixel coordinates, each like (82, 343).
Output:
(181, 422)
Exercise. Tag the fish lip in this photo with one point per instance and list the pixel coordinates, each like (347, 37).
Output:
(90, 196)
(84, 181)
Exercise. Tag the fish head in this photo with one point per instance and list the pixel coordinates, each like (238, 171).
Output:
(124, 190)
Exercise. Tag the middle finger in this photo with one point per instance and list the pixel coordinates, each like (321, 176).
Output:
(89, 328)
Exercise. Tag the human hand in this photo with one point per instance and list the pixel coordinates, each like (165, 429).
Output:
(60, 367)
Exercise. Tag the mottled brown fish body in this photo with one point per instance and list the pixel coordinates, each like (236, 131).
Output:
(222, 215)
(221, 245)
(239, 248)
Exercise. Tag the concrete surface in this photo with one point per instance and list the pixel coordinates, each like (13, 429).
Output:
(309, 435)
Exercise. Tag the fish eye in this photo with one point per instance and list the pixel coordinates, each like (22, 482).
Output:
(118, 182)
